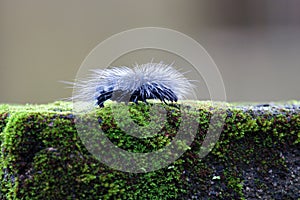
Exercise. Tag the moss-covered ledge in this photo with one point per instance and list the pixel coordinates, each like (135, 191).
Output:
(256, 156)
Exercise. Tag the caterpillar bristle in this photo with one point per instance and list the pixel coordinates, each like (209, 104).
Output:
(124, 84)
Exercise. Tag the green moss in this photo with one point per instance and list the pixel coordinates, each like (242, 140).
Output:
(43, 156)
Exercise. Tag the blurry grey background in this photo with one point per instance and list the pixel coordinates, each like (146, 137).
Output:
(255, 43)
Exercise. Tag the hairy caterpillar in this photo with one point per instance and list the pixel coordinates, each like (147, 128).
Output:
(124, 84)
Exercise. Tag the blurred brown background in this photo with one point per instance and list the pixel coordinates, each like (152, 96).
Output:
(255, 43)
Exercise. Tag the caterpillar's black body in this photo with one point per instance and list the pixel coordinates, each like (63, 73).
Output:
(123, 84)
(141, 94)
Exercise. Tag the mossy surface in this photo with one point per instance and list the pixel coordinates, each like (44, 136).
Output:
(43, 157)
